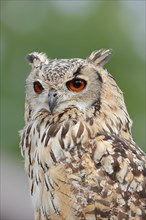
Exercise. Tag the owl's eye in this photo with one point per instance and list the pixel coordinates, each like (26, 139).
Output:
(38, 88)
(76, 85)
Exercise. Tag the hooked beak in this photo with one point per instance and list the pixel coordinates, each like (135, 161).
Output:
(52, 99)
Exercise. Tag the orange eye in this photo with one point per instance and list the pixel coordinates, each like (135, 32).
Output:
(38, 88)
(76, 85)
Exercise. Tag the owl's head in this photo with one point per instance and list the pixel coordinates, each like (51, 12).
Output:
(63, 83)
(60, 84)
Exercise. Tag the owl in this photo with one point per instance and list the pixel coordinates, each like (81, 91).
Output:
(81, 160)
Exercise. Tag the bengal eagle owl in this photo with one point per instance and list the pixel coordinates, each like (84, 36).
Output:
(81, 160)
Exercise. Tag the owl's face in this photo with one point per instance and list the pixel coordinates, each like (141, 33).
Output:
(58, 84)
(55, 85)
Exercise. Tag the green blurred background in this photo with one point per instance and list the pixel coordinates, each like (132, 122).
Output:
(65, 29)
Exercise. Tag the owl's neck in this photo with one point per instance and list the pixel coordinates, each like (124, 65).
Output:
(98, 120)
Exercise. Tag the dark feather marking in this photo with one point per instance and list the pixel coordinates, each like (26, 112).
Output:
(103, 202)
(29, 156)
(142, 193)
(27, 135)
(47, 123)
(80, 215)
(64, 130)
(99, 76)
(56, 210)
(122, 216)
(60, 115)
(108, 126)
(62, 181)
(96, 105)
(31, 174)
(77, 71)
(106, 136)
(119, 150)
(42, 167)
(53, 156)
(34, 131)
(68, 146)
(96, 218)
(38, 128)
(96, 189)
(55, 183)
(126, 195)
(135, 170)
(74, 121)
(54, 128)
(112, 176)
(89, 200)
(29, 114)
(140, 154)
(32, 187)
(100, 213)
(40, 180)
(46, 185)
(74, 170)
(38, 159)
(90, 120)
(61, 143)
(116, 166)
(42, 120)
(47, 140)
(144, 171)
(46, 166)
(50, 182)
(42, 139)
(36, 181)
(80, 130)
(45, 214)
(144, 213)
(65, 194)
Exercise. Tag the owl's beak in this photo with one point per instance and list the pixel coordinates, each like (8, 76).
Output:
(52, 99)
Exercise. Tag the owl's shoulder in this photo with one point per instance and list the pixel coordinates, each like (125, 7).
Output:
(115, 176)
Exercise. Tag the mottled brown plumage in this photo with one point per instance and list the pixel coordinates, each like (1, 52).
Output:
(81, 160)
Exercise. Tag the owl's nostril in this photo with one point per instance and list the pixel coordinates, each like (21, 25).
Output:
(52, 92)
(52, 99)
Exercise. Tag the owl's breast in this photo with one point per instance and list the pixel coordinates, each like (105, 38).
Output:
(93, 174)
(52, 159)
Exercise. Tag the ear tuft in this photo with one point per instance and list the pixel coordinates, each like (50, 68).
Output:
(100, 57)
(37, 59)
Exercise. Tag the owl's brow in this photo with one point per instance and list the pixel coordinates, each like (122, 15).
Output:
(78, 71)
